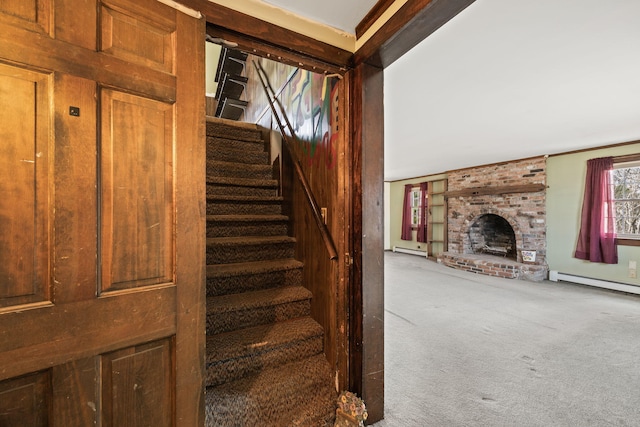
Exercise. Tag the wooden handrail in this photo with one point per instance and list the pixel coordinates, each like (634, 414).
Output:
(311, 200)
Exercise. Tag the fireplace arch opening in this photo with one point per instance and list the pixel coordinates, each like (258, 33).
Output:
(492, 234)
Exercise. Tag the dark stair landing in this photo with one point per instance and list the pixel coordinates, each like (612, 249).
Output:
(265, 364)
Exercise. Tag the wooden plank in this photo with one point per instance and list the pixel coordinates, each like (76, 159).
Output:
(506, 189)
(76, 200)
(414, 22)
(52, 335)
(341, 232)
(368, 169)
(355, 231)
(190, 200)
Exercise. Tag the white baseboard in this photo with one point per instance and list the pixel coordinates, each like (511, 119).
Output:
(554, 276)
(409, 251)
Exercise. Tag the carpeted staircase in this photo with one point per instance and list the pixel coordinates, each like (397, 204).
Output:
(265, 362)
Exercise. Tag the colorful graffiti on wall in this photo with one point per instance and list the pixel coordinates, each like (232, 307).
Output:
(312, 105)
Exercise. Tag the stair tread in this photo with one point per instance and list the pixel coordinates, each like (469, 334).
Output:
(252, 267)
(255, 299)
(275, 396)
(240, 198)
(260, 339)
(249, 240)
(247, 218)
(240, 165)
(242, 182)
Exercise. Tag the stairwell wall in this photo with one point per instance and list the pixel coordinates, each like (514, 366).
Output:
(315, 107)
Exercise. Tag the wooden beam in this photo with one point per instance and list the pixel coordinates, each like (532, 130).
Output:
(506, 189)
(414, 22)
(276, 53)
(367, 292)
(296, 44)
(376, 12)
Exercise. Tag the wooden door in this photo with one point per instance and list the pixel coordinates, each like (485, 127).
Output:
(101, 214)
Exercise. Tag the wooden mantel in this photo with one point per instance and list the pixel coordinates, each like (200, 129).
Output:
(503, 189)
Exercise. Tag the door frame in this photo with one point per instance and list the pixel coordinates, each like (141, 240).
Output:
(364, 281)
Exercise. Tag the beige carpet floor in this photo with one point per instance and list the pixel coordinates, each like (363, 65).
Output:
(470, 350)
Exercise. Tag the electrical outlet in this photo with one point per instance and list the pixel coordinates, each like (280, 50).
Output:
(633, 272)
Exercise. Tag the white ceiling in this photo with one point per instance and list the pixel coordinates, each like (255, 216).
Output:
(341, 14)
(504, 80)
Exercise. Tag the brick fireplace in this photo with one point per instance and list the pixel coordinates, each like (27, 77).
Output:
(494, 213)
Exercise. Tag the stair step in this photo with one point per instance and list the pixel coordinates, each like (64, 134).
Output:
(244, 205)
(242, 132)
(297, 394)
(225, 250)
(247, 225)
(242, 182)
(219, 149)
(233, 355)
(231, 190)
(239, 170)
(224, 279)
(227, 313)
(220, 144)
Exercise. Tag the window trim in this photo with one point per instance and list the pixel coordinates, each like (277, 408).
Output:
(621, 162)
(421, 202)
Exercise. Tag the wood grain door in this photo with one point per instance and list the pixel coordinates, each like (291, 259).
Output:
(101, 214)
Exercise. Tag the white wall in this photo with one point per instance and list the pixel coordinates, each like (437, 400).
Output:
(565, 180)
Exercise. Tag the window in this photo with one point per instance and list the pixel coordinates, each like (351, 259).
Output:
(416, 205)
(625, 179)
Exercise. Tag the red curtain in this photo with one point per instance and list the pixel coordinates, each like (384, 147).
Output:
(597, 240)
(406, 214)
(422, 224)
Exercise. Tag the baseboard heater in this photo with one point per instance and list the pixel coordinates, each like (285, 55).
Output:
(554, 276)
(409, 251)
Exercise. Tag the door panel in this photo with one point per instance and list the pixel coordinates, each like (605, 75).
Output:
(137, 386)
(31, 14)
(24, 216)
(24, 401)
(137, 199)
(101, 214)
(141, 38)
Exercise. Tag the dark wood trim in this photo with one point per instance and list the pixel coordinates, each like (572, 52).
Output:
(626, 158)
(190, 225)
(374, 14)
(265, 50)
(503, 189)
(604, 147)
(627, 242)
(414, 22)
(289, 42)
(367, 304)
